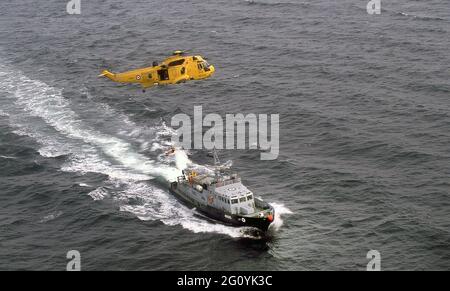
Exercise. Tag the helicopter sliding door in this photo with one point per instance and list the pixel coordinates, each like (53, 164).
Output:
(163, 74)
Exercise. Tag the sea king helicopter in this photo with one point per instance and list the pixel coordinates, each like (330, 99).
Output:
(176, 69)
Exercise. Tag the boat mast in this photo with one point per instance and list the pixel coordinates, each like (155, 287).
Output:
(216, 163)
(216, 160)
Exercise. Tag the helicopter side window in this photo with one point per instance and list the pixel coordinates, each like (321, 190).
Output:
(176, 63)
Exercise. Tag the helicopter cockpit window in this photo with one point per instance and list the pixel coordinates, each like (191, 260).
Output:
(206, 66)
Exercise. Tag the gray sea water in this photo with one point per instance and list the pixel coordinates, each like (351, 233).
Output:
(364, 146)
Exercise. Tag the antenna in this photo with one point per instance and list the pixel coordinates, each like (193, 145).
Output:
(216, 157)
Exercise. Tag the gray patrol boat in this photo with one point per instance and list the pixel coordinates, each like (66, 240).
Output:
(219, 193)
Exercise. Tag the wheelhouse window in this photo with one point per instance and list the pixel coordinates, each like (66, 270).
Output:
(242, 199)
(234, 201)
(250, 197)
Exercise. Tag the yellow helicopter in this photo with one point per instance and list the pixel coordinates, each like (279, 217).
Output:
(174, 70)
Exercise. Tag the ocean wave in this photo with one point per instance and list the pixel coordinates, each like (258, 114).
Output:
(51, 216)
(51, 148)
(276, 3)
(2, 113)
(8, 157)
(98, 194)
(418, 17)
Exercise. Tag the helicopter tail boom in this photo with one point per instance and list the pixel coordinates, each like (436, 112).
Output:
(107, 74)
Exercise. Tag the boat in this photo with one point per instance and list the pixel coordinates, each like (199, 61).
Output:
(218, 193)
